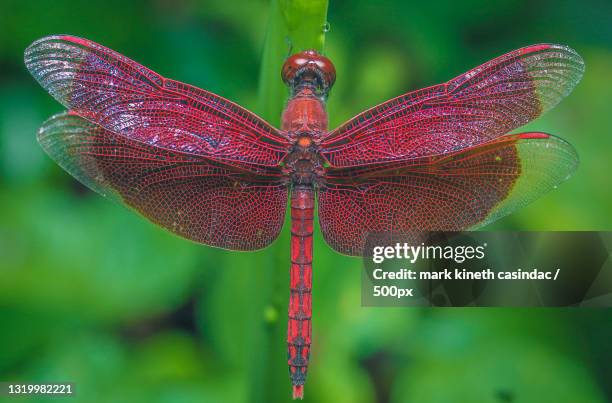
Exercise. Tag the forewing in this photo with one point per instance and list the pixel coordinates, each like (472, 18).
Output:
(459, 191)
(192, 196)
(476, 107)
(128, 99)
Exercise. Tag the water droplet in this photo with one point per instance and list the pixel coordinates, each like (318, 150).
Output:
(326, 27)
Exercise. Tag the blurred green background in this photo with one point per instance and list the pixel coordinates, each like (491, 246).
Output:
(93, 294)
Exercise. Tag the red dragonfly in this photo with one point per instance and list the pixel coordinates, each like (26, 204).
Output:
(439, 158)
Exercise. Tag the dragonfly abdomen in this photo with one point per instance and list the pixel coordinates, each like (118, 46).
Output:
(299, 328)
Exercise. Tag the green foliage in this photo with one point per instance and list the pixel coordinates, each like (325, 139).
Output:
(293, 26)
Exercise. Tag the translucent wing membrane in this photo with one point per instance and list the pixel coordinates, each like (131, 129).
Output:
(195, 197)
(457, 191)
(476, 107)
(130, 100)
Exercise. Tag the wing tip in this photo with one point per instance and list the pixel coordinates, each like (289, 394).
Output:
(571, 154)
(552, 46)
(44, 39)
(35, 45)
(32, 59)
(569, 149)
(570, 52)
(570, 70)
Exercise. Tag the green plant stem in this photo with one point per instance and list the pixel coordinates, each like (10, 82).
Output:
(294, 25)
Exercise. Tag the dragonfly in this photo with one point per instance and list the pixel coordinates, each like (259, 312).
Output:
(203, 167)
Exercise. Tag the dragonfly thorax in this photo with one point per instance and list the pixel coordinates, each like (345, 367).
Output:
(305, 114)
(304, 164)
(304, 122)
(304, 141)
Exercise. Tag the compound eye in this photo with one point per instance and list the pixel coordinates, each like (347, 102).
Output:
(292, 65)
(312, 60)
(328, 69)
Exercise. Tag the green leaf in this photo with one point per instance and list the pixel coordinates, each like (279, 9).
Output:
(294, 25)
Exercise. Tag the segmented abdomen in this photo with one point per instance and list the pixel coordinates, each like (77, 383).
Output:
(299, 327)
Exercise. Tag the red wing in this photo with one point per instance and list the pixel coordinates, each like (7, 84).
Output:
(476, 107)
(194, 197)
(455, 192)
(126, 98)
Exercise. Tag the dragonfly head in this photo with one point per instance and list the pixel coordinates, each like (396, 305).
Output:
(309, 69)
